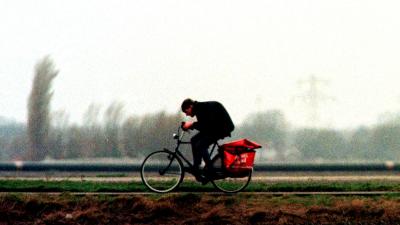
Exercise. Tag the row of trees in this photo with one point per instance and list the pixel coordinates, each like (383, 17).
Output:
(115, 137)
(136, 136)
(108, 133)
(376, 143)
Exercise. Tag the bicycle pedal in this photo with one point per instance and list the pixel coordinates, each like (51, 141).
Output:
(204, 182)
(200, 178)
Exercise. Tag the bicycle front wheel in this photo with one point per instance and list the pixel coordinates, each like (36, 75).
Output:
(162, 171)
(232, 184)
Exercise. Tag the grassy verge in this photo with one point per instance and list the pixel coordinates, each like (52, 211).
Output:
(68, 186)
(91, 186)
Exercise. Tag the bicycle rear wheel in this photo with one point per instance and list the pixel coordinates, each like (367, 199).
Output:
(232, 184)
(162, 171)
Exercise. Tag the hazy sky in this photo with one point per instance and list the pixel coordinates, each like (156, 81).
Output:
(249, 55)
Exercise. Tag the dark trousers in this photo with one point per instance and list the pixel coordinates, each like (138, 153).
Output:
(200, 144)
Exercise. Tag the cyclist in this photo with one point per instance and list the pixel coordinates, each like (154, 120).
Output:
(213, 123)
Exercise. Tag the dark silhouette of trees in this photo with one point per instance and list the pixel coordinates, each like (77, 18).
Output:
(136, 136)
(113, 119)
(385, 142)
(39, 109)
(57, 139)
(268, 128)
(13, 141)
(360, 145)
(49, 134)
(142, 135)
(321, 144)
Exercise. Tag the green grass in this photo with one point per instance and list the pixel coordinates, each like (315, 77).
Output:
(68, 186)
(190, 186)
(324, 186)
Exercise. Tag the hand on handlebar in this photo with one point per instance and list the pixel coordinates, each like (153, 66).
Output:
(187, 125)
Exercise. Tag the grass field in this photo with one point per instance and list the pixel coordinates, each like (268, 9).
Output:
(190, 186)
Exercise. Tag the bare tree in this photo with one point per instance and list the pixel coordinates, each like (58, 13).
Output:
(129, 135)
(93, 133)
(57, 140)
(113, 118)
(268, 128)
(39, 109)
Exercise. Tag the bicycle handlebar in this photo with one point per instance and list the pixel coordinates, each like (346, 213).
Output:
(181, 133)
(182, 123)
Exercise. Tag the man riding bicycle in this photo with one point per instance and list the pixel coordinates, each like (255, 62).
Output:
(213, 123)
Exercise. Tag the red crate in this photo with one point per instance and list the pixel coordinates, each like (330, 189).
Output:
(238, 156)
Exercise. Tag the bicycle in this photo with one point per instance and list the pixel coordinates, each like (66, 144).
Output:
(163, 171)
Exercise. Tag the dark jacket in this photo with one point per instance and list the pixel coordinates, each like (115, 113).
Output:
(212, 119)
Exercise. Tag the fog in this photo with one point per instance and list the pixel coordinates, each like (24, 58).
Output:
(111, 134)
(321, 76)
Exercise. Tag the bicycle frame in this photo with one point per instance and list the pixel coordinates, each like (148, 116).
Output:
(179, 155)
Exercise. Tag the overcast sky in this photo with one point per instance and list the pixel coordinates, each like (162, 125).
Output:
(249, 55)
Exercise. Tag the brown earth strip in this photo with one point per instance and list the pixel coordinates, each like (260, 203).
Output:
(198, 209)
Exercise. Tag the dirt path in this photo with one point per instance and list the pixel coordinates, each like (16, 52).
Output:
(269, 179)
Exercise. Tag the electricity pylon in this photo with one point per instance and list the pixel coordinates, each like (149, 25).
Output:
(313, 97)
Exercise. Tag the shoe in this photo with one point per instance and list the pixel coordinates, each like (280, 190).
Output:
(200, 178)
(209, 172)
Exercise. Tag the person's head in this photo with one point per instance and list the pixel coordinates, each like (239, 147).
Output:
(187, 107)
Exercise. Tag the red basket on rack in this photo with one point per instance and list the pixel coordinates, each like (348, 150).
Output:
(238, 156)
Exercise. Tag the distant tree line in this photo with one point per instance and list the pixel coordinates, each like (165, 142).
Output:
(378, 143)
(136, 136)
(109, 133)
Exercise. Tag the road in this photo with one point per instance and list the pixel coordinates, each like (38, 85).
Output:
(262, 177)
